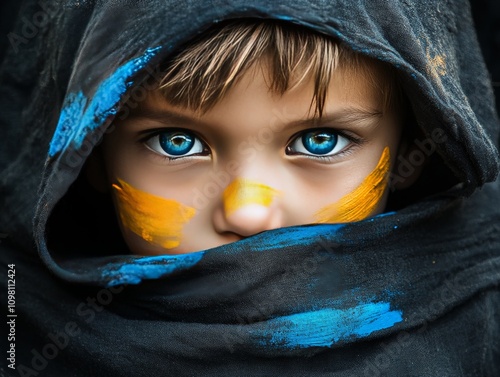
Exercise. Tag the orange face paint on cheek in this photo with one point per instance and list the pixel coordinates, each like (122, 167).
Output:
(157, 220)
(242, 192)
(361, 202)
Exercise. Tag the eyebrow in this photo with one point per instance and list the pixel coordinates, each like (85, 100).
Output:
(346, 116)
(164, 116)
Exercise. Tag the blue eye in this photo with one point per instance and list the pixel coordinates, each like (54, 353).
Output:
(175, 143)
(322, 142)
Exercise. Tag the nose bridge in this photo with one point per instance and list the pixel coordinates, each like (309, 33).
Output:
(250, 177)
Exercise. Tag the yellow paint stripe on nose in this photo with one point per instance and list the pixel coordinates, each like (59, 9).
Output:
(242, 192)
(157, 220)
(361, 202)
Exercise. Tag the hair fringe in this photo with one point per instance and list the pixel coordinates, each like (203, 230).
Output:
(205, 70)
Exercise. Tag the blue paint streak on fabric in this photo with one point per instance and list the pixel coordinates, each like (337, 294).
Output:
(278, 238)
(149, 268)
(79, 117)
(326, 327)
(160, 266)
(297, 235)
(72, 110)
(386, 214)
(284, 17)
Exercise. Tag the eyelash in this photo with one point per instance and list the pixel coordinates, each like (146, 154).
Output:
(355, 141)
(149, 134)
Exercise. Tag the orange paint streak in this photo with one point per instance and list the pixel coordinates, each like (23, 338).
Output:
(157, 220)
(361, 202)
(242, 192)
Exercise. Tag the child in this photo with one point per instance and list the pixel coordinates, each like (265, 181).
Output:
(234, 150)
(264, 190)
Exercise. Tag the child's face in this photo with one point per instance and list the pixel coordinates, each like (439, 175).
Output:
(255, 161)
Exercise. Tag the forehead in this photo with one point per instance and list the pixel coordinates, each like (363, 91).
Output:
(363, 78)
(354, 77)
(354, 93)
(360, 85)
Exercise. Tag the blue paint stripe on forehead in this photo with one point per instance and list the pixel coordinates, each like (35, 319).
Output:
(81, 116)
(326, 327)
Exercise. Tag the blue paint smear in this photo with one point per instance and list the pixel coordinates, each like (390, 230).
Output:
(380, 215)
(285, 237)
(79, 117)
(325, 327)
(295, 235)
(149, 268)
(133, 272)
(284, 17)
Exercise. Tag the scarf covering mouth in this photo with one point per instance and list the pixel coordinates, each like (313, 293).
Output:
(408, 293)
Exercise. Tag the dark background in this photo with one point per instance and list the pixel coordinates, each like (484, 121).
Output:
(486, 14)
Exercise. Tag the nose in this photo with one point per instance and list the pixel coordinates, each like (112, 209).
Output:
(249, 207)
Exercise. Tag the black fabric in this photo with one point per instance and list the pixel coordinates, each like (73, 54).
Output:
(413, 292)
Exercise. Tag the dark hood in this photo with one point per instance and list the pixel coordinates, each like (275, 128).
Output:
(84, 56)
(316, 299)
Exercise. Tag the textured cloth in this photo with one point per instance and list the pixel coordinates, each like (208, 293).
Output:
(412, 292)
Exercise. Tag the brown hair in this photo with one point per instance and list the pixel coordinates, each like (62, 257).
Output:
(206, 68)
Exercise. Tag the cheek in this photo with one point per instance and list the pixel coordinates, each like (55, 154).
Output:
(242, 192)
(157, 220)
(363, 201)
